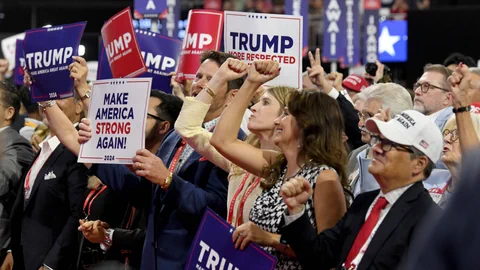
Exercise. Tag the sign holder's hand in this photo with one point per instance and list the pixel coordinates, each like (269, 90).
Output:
(150, 166)
(78, 72)
(250, 232)
(85, 132)
(316, 73)
(296, 193)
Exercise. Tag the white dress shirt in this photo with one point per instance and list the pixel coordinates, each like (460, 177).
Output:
(391, 197)
(47, 147)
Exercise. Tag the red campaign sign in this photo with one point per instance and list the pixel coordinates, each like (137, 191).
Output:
(371, 4)
(204, 32)
(121, 46)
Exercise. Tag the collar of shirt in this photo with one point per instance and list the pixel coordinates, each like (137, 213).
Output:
(3, 128)
(393, 195)
(51, 142)
(211, 124)
(434, 116)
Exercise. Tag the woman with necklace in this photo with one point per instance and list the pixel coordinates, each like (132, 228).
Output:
(309, 135)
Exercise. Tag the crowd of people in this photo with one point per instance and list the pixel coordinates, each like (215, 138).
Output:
(343, 173)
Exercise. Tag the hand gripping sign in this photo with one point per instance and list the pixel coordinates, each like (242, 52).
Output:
(203, 33)
(48, 53)
(255, 36)
(213, 248)
(121, 46)
(117, 113)
(18, 71)
(160, 54)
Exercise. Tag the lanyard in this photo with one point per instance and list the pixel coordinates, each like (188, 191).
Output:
(242, 202)
(174, 162)
(89, 200)
(179, 152)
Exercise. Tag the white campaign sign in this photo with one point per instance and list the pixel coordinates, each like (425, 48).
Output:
(259, 36)
(117, 113)
(8, 49)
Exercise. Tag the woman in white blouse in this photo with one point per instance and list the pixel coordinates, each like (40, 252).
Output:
(243, 187)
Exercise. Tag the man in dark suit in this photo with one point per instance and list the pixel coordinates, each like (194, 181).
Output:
(47, 209)
(452, 240)
(378, 228)
(179, 199)
(16, 154)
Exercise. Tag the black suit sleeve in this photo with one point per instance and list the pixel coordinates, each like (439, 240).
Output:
(128, 239)
(314, 251)
(350, 119)
(66, 242)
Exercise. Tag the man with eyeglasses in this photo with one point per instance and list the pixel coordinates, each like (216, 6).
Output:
(433, 96)
(378, 228)
(387, 96)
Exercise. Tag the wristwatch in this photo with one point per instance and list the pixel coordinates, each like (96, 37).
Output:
(87, 95)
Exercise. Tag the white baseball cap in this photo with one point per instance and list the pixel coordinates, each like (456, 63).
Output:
(411, 128)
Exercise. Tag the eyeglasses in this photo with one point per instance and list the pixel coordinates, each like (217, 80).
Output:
(426, 86)
(388, 145)
(155, 117)
(364, 116)
(453, 133)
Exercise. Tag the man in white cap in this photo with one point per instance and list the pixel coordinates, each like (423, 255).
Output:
(379, 226)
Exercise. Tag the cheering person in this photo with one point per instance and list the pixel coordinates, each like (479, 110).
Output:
(309, 135)
(243, 187)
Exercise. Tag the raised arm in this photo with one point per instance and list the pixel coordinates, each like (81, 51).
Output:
(78, 72)
(194, 110)
(224, 140)
(462, 87)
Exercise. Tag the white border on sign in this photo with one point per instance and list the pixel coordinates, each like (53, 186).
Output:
(136, 80)
(273, 16)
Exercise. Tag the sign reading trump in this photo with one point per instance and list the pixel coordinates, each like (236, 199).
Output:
(121, 46)
(48, 53)
(255, 36)
(204, 32)
(118, 111)
(213, 249)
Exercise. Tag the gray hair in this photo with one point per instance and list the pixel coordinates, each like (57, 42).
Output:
(390, 95)
(359, 96)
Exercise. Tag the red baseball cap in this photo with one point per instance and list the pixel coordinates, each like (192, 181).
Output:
(355, 83)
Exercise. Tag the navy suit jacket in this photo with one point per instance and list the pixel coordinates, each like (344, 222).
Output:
(175, 213)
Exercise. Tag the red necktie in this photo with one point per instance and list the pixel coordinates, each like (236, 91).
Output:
(366, 230)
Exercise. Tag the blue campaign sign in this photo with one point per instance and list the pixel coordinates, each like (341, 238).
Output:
(48, 53)
(213, 249)
(370, 19)
(335, 30)
(160, 54)
(392, 42)
(300, 8)
(19, 63)
(149, 8)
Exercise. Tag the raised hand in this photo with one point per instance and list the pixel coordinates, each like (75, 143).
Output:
(150, 166)
(78, 72)
(316, 73)
(296, 193)
(182, 89)
(463, 86)
(261, 72)
(231, 69)
(336, 79)
(27, 79)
